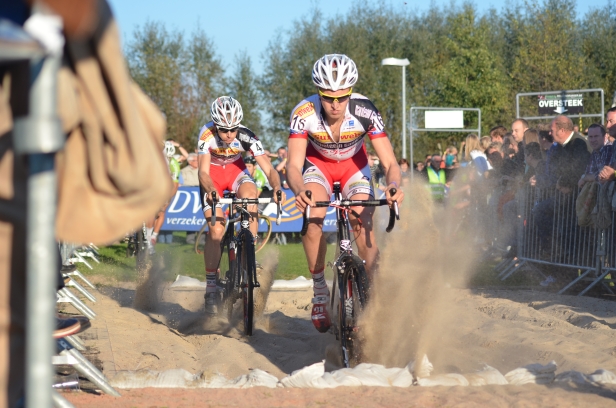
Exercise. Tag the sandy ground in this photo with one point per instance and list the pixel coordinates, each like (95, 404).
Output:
(418, 305)
(505, 329)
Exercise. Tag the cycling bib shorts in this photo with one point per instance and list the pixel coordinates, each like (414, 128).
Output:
(353, 175)
(228, 177)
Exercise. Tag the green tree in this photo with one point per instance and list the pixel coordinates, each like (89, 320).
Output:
(599, 37)
(549, 55)
(243, 87)
(287, 76)
(474, 75)
(181, 78)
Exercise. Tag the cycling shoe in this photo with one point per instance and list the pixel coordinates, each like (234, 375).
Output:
(320, 314)
(211, 303)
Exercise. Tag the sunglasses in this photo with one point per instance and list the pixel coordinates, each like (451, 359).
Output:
(332, 99)
(227, 130)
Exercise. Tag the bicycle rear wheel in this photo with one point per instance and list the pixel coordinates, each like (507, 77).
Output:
(353, 292)
(141, 251)
(248, 276)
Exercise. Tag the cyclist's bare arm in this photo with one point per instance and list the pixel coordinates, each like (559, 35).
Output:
(272, 175)
(385, 152)
(204, 174)
(295, 164)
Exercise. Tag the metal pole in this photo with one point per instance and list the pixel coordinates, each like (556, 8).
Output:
(39, 136)
(404, 112)
(411, 165)
(479, 126)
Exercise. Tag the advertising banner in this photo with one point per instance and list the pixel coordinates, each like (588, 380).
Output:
(184, 213)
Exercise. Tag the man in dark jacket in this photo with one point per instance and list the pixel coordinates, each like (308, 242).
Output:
(571, 160)
(569, 163)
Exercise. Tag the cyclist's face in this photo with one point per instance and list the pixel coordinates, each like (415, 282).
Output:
(250, 167)
(227, 135)
(335, 108)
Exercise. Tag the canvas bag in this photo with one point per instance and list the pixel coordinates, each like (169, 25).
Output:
(112, 174)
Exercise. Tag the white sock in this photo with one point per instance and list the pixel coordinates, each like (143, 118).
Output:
(319, 284)
(148, 233)
(210, 279)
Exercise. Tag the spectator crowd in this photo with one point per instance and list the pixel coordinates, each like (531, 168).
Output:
(547, 177)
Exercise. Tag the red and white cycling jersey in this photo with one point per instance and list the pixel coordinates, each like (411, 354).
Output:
(361, 118)
(223, 153)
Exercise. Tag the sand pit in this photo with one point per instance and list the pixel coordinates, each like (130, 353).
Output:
(506, 329)
(420, 305)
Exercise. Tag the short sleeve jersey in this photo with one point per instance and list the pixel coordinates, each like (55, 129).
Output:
(361, 118)
(223, 153)
(174, 169)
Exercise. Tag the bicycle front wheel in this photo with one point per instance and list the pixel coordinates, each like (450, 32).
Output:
(353, 292)
(141, 251)
(265, 235)
(248, 276)
(202, 232)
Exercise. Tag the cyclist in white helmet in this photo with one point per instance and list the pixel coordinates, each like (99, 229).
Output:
(220, 146)
(326, 144)
(154, 225)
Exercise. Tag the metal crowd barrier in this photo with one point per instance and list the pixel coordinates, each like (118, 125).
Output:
(555, 239)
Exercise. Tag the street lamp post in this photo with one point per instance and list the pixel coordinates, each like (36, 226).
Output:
(402, 63)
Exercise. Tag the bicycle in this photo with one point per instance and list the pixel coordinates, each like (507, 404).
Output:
(261, 242)
(137, 246)
(351, 282)
(241, 278)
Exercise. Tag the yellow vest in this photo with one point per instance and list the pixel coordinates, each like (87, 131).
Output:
(437, 183)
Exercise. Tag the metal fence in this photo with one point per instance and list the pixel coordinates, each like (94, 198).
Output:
(548, 234)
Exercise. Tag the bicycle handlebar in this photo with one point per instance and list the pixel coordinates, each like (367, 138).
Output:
(232, 201)
(393, 212)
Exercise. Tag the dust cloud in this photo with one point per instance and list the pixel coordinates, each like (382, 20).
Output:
(410, 310)
(152, 293)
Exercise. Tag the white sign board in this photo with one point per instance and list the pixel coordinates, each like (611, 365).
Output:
(444, 119)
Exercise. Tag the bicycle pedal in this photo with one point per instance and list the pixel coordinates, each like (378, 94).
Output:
(257, 285)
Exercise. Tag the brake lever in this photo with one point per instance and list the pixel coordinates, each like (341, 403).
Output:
(214, 203)
(392, 192)
(278, 207)
(306, 218)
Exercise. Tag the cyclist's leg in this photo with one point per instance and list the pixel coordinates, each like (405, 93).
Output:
(211, 251)
(160, 217)
(314, 244)
(318, 181)
(356, 185)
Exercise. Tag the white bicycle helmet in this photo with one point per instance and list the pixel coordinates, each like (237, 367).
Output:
(226, 112)
(334, 72)
(169, 149)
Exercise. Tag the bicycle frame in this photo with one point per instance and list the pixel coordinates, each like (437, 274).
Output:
(233, 240)
(241, 278)
(347, 263)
